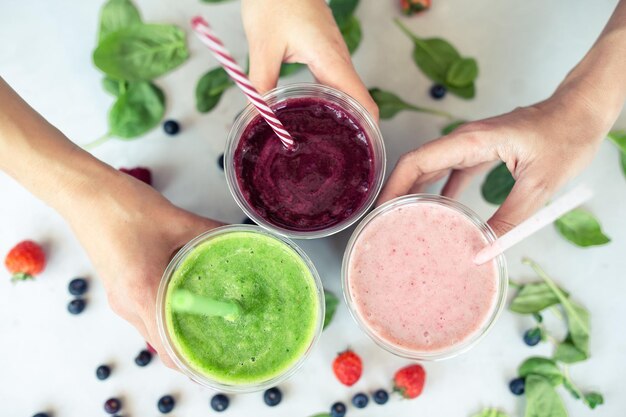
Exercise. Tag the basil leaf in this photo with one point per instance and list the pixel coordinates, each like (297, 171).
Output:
(115, 15)
(141, 52)
(542, 400)
(114, 87)
(566, 352)
(581, 228)
(533, 298)
(342, 10)
(497, 185)
(351, 32)
(331, 302)
(593, 399)
(491, 412)
(449, 128)
(210, 88)
(462, 72)
(139, 109)
(288, 69)
(544, 367)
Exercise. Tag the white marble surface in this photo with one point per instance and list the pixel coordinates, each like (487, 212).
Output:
(48, 358)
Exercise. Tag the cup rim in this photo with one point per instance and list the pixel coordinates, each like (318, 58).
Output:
(179, 359)
(295, 90)
(454, 350)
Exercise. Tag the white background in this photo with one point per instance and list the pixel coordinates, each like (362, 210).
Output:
(48, 358)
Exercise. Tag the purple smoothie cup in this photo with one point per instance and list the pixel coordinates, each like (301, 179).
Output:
(281, 97)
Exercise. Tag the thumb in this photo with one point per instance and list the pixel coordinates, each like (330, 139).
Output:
(338, 72)
(526, 197)
(264, 67)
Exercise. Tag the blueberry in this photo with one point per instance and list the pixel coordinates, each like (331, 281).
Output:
(517, 386)
(103, 372)
(380, 396)
(272, 397)
(220, 161)
(248, 220)
(143, 358)
(166, 404)
(437, 91)
(78, 286)
(532, 336)
(338, 410)
(76, 306)
(219, 402)
(112, 405)
(360, 400)
(42, 415)
(171, 127)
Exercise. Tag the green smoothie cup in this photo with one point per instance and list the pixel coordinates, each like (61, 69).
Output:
(273, 292)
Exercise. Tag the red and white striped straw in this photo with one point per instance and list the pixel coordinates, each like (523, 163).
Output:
(215, 45)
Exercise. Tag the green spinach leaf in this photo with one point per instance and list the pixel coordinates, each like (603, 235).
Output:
(542, 400)
(115, 15)
(390, 104)
(288, 69)
(533, 298)
(566, 352)
(114, 87)
(351, 32)
(141, 52)
(581, 228)
(343, 10)
(462, 72)
(210, 88)
(449, 128)
(544, 367)
(331, 302)
(136, 111)
(593, 399)
(497, 185)
(491, 412)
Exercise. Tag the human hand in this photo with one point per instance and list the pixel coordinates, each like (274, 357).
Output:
(301, 31)
(543, 146)
(130, 233)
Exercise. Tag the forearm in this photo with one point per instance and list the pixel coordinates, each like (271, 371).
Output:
(42, 159)
(600, 78)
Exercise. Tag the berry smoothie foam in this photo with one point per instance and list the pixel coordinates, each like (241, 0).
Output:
(279, 298)
(331, 176)
(412, 281)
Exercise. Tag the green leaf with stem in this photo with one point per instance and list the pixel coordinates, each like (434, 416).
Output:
(533, 298)
(542, 400)
(590, 399)
(210, 88)
(581, 228)
(462, 72)
(390, 104)
(139, 109)
(541, 366)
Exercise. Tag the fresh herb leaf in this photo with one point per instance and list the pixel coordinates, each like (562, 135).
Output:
(544, 367)
(390, 104)
(351, 32)
(593, 399)
(498, 184)
(331, 302)
(491, 412)
(114, 87)
(542, 400)
(288, 69)
(449, 128)
(141, 52)
(469, 91)
(115, 15)
(136, 111)
(572, 389)
(462, 72)
(581, 228)
(567, 352)
(210, 88)
(533, 298)
(343, 10)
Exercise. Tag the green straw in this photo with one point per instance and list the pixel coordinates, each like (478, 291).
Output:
(188, 302)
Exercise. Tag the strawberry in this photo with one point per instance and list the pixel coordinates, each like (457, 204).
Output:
(141, 173)
(25, 260)
(411, 7)
(409, 381)
(348, 367)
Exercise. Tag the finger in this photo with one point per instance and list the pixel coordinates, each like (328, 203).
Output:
(454, 151)
(337, 71)
(457, 182)
(265, 65)
(526, 197)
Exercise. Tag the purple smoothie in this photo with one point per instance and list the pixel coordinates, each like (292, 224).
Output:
(326, 179)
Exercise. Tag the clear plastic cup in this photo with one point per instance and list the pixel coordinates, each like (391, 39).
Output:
(473, 338)
(179, 358)
(307, 90)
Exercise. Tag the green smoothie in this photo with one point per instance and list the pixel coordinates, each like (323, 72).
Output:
(280, 309)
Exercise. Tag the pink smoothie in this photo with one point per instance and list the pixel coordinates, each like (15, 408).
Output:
(413, 280)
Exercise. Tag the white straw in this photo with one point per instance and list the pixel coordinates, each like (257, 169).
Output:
(542, 218)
